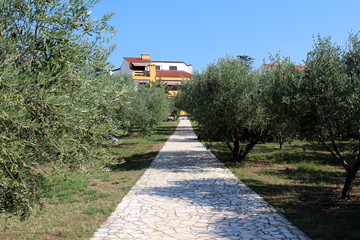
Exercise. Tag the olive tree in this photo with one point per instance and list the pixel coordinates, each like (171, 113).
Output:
(145, 107)
(322, 103)
(279, 84)
(51, 57)
(224, 100)
(351, 59)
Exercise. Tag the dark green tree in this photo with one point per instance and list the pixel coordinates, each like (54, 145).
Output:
(246, 59)
(224, 100)
(51, 55)
(146, 106)
(279, 85)
(321, 104)
(351, 59)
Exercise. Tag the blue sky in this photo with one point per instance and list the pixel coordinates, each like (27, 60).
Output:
(200, 31)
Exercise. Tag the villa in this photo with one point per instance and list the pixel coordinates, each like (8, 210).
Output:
(145, 71)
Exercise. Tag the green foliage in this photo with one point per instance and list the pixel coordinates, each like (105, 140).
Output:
(246, 59)
(145, 108)
(351, 59)
(326, 92)
(317, 103)
(321, 104)
(279, 84)
(57, 101)
(224, 100)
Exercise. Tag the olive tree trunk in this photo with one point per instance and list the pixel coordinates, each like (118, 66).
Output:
(239, 154)
(350, 177)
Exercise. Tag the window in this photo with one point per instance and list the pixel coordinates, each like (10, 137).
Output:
(158, 68)
(138, 68)
(174, 68)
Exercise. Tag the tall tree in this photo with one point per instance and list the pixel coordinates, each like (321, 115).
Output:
(351, 59)
(279, 84)
(246, 59)
(224, 101)
(50, 55)
(323, 103)
(328, 101)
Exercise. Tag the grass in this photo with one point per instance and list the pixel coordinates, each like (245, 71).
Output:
(304, 183)
(77, 201)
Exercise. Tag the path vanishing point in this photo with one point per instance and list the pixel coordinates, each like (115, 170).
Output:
(188, 194)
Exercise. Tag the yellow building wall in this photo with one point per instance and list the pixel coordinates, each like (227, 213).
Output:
(152, 72)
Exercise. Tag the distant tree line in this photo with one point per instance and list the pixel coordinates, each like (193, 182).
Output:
(57, 102)
(239, 105)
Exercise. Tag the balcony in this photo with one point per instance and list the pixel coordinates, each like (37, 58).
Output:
(141, 73)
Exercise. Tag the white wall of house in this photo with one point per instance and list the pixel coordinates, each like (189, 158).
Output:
(180, 66)
(124, 69)
(190, 67)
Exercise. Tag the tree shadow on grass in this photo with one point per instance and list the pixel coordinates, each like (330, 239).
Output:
(289, 154)
(166, 130)
(138, 161)
(342, 144)
(132, 163)
(316, 176)
(162, 130)
(297, 157)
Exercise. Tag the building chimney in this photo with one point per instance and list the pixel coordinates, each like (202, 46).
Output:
(145, 56)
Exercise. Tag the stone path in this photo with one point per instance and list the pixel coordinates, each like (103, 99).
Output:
(188, 194)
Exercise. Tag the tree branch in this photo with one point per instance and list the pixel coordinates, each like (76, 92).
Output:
(336, 153)
(229, 146)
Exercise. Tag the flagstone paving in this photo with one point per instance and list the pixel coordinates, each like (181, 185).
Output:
(188, 194)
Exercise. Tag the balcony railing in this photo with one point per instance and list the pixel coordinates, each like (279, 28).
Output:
(141, 73)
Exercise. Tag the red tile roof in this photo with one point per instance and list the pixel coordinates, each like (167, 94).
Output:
(301, 67)
(177, 74)
(131, 59)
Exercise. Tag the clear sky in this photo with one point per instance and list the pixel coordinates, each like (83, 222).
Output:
(200, 31)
